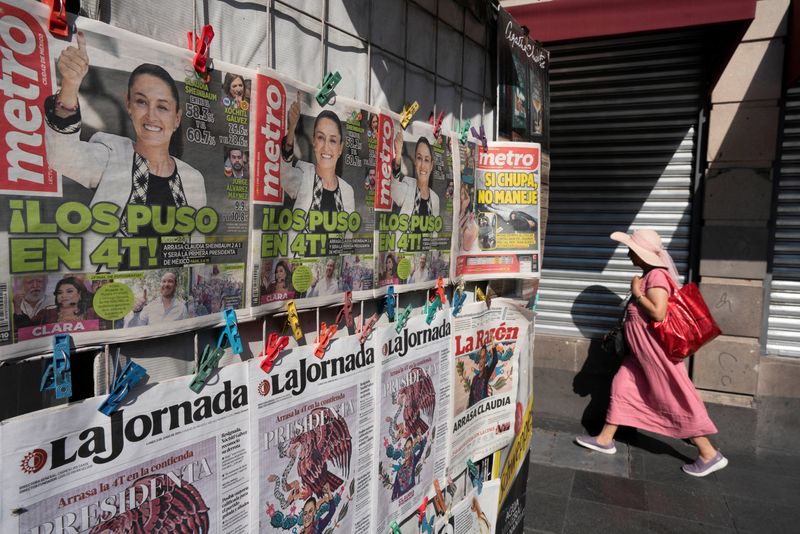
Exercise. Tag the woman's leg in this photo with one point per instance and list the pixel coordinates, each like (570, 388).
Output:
(703, 444)
(606, 435)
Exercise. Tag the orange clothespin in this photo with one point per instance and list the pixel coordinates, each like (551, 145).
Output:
(325, 334)
(275, 344)
(58, 25)
(439, 291)
(422, 508)
(347, 310)
(438, 499)
(437, 124)
(201, 48)
(366, 328)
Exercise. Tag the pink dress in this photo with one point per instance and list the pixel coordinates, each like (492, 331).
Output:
(650, 391)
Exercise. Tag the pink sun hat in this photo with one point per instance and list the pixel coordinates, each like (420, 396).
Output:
(646, 243)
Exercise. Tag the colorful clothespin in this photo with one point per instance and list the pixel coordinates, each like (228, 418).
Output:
(395, 528)
(440, 290)
(427, 524)
(458, 298)
(275, 344)
(463, 131)
(201, 47)
(438, 499)
(407, 113)
(480, 295)
(481, 136)
(402, 319)
(472, 471)
(123, 383)
(390, 302)
(347, 310)
(422, 508)
(325, 335)
(294, 320)
(437, 124)
(231, 331)
(535, 301)
(58, 375)
(431, 309)
(57, 24)
(366, 328)
(329, 83)
(208, 364)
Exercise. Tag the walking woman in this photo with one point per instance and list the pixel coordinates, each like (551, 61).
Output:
(651, 391)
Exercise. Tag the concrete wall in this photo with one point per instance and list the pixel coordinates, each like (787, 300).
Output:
(742, 146)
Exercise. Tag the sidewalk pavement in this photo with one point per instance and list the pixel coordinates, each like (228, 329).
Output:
(642, 488)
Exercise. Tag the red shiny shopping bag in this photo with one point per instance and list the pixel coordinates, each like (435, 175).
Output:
(688, 324)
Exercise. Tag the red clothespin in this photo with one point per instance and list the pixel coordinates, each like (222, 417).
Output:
(366, 328)
(437, 124)
(422, 508)
(438, 499)
(57, 24)
(325, 334)
(275, 344)
(347, 310)
(201, 47)
(439, 291)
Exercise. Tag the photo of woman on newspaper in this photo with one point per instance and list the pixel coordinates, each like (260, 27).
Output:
(316, 187)
(414, 196)
(145, 170)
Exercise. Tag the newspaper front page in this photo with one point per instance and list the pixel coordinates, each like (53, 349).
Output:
(172, 461)
(413, 404)
(486, 345)
(313, 453)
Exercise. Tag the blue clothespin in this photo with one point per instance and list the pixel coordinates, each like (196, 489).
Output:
(395, 528)
(458, 299)
(123, 383)
(402, 319)
(329, 83)
(231, 331)
(209, 362)
(535, 301)
(427, 524)
(472, 470)
(431, 309)
(58, 375)
(463, 131)
(481, 136)
(390, 303)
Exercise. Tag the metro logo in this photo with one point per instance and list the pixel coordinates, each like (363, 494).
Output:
(24, 85)
(383, 167)
(270, 127)
(506, 157)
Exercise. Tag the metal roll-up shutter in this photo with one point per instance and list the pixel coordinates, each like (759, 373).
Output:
(624, 114)
(783, 330)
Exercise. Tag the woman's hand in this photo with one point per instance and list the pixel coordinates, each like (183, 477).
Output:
(292, 118)
(73, 65)
(398, 148)
(636, 287)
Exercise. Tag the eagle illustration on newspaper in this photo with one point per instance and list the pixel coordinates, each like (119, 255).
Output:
(407, 446)
(315, 450)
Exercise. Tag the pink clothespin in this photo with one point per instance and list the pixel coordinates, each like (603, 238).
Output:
(366, 328)
(275, 344)
(325, 334)
(201, 47)
(346, 311)
(437, 124)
